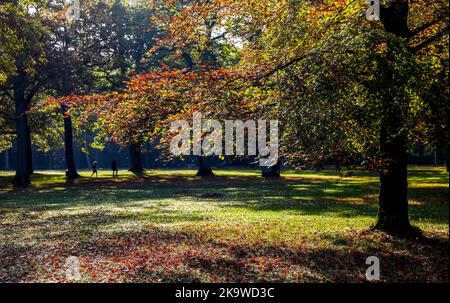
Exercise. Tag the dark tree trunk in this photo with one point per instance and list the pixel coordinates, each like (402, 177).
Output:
(393, 199)
(272, 171)
(135, 158)
(71, 172)
(7, 165)
(22, 177)
(204, 169)
(421, 150)
(29, 149)
(68, 88)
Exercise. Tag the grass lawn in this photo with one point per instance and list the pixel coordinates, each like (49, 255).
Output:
(167, 226)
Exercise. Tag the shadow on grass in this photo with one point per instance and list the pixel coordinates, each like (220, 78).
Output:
(302, 196)
(159, 255)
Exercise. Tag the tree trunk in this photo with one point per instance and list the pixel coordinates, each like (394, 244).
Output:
(135, 158)
(421, 151)
(7, 165)
(204, 169)
(71, 172)
(29, 150)
(393, 199)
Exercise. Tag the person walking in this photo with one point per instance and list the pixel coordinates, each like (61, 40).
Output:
(114, 169)
(94, 169)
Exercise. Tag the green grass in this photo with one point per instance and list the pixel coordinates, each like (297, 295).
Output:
(167, 225)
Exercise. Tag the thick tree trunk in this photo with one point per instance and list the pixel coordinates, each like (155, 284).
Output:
(71, 172)
(135, 158)
(393, 199)
(204, 169)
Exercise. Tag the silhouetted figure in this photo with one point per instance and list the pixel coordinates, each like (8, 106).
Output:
(319, 163)
(94, 169)
(114, 169)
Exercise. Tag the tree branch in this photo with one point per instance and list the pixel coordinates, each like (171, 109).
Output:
(426, 25)
(430, 40)
(301, 57)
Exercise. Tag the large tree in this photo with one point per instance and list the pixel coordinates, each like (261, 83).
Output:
(23, 77)
(393, 212)
(349, 88)
(361, 90)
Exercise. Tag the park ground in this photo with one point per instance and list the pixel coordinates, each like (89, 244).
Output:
(168, 226)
